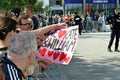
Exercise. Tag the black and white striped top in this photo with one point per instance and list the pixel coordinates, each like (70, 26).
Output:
(12, 72)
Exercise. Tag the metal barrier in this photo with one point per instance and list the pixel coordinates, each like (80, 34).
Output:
(53, 72)
(95, 25)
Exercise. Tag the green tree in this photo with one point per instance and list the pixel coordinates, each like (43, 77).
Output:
(8, 4)
(38, 6)
(47, 8)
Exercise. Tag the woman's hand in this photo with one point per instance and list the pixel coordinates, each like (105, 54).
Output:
(44, 62)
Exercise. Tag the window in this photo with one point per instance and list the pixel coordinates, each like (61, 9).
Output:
(54, 12)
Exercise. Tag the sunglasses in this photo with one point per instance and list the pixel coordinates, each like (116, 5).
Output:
(26, 24)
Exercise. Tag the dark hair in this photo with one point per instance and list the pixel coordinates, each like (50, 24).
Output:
(15, 11)
(75, 12)
(30, 7)
(6, 25)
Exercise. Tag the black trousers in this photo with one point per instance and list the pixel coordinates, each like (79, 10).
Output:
(114, 33)
(80, 28)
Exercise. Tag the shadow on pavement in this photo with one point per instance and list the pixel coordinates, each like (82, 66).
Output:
(100, 69)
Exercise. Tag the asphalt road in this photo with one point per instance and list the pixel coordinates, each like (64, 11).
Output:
(92, 61)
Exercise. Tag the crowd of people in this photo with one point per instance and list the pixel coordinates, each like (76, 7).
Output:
(88, 23)
(20, 37)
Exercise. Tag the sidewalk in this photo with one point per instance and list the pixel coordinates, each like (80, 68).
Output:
(91, 61)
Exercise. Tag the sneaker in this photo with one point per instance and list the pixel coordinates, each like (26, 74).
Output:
(117, 50)
(109, 50)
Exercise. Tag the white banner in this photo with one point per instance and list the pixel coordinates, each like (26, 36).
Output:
(59, 46)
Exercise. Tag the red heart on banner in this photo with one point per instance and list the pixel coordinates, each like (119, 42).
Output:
(62, 56)
(61, 33)
(56, 54)
(50, 53)
(42, 51)
(67, 59)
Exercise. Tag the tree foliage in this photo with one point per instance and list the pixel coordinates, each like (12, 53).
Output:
(46, 9)
(8, 4)
(38, 6)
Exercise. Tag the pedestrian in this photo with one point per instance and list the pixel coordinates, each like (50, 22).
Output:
(55, 19)
(28, 11)
(101, 21)
(67, 19)
(89, 22)
(21, 54)
(50, 20)
(25, 23)
(77, 20)
(114, 22)
(60, 18)
(7, 29)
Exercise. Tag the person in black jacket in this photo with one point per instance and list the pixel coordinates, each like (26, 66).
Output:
(28, 11)
(114, 22)
(77, 21)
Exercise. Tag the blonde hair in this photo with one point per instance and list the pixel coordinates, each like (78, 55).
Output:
(26, 17)
(31, 22)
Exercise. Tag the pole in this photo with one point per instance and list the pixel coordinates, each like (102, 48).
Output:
(117, 2)
(84, 3)
(63, 5)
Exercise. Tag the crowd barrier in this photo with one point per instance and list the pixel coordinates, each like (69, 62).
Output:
(53, 72)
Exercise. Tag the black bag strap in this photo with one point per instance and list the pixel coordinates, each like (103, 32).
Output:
(3, 49)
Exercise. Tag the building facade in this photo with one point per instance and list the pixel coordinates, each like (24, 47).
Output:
(84, 6)
(55, 2)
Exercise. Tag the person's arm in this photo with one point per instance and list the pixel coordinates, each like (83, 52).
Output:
(46, 29)
(117, 20)
(80, 19)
